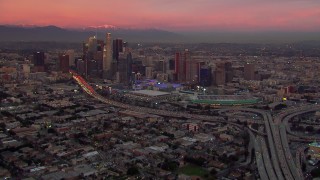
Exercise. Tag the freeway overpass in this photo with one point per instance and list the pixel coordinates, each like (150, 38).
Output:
(279, 166)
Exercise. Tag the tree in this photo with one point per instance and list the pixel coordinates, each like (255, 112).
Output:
(309, 128)
(12, 133)
(233, 158)
(170, 166)
(300, 128)
(197, 161)
(132, 171)
(2, 126)
(255, 126)
(51, 130)
(308, 157)
(213, 171)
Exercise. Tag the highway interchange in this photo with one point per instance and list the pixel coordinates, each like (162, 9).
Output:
(273, 158)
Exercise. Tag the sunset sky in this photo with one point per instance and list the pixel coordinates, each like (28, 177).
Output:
(175, 15)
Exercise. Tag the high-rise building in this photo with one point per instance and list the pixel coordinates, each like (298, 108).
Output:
(92, 67)
(117, 48)
(190, 67)
(149, 72)
(177, 65)
(223, 73)
(64, 63)
(138, 67)
(70, 53)
(249, 71)
(186, 70)
(107, 57)
(85, 48)
(92, 44)
(38, 58)
(205, 78)
(98, 57)
(161, 66)
(171, 64)
(199, 66)
(229, 72)
(125, 47)
(125, 68)
(81, 66)
(182, 65)
(38, 61)
(220, 74)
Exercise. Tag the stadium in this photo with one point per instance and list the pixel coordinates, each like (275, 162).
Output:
(225, 100)
(148, 96)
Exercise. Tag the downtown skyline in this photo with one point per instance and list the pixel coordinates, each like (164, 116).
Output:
(178, 15)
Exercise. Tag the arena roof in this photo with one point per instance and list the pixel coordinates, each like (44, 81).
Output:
(226, 100)
(150, 93)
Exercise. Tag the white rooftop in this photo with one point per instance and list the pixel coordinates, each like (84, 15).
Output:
(149, 93)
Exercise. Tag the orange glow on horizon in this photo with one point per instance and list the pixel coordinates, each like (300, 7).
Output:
(176, 15)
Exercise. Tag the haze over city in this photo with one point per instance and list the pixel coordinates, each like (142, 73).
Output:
(160, 89)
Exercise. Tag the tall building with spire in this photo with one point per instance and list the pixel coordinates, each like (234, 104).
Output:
(107, 57)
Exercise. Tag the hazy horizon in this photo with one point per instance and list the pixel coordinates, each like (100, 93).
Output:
(174, 16)
(53, 33)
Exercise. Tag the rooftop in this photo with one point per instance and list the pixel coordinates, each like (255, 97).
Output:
(149, 93)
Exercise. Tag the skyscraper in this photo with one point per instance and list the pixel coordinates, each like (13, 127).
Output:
(92, 44)
(70, 53)
(181, 60)
(107, 57)
(117, 48)
(171, 64)
(38, 58)
(229, 72)
(125, 68)
(205, 76)
(249, 71)
(223, 73)
(99, 57)
(188, 66)
(81, 66)
(220, 74)
(186, 70)
(38, 61)
(64, 63)
(125, 47)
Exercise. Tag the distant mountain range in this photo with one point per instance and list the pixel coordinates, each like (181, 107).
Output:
(53, 33)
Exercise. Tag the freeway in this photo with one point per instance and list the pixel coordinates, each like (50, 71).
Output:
(283, 166)
(282, 125)
(300, 156)
(287, 117)
(273, 141)
(259, 159)
(89, 90)
(266, 158)
(259, 152)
